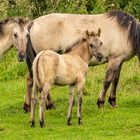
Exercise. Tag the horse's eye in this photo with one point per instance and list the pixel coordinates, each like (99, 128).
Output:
(15, 35)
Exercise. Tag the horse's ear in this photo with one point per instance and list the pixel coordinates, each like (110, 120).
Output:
(30, 25)
(87, 34)
(99, 32)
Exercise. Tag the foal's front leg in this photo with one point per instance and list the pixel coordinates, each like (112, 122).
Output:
(71, 103)
(80, 86)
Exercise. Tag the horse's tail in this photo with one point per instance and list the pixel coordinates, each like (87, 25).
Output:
(30, 55)
(136, 39)
(38, 72)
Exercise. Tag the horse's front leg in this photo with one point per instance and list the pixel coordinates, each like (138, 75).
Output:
(71, 103)
(29, 85)
(112, 96)
(111, 73)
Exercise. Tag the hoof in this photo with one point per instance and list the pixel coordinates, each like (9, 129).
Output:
(68, 122)
(32, 124)
(50, 106)
(79, 121)
(112, 102)
(41, 124)
(26, 108)
(100, 103)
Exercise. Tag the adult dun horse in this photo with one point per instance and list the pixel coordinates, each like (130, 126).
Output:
(120, 37)
(13, 31)
(70, 69)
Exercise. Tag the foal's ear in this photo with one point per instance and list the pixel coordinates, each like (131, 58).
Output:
(99, 32)
(87, 34)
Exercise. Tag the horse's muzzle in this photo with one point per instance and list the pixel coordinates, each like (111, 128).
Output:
(99, 57)
(21, 57)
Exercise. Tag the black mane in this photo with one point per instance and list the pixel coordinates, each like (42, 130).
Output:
(129, 23)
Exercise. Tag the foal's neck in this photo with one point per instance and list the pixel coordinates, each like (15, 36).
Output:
(82, 50)
(6, 39)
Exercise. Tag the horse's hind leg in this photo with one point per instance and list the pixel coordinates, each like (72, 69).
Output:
(27, 103)
(112, 96)
(71, 103)
(33, 105)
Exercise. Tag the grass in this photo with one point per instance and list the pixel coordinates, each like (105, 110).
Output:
(105, 124)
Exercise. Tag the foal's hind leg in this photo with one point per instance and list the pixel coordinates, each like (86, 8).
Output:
(27, 103)
(112, 96)
(45, 90)
(33, 105)
(71, 103)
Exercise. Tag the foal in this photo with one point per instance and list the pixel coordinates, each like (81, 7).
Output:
(68, 69)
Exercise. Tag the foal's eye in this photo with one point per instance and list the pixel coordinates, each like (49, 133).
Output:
(15, 35)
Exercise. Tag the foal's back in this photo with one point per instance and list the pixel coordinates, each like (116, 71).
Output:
(53, 68)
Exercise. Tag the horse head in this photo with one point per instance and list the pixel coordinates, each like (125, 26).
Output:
(20, 36)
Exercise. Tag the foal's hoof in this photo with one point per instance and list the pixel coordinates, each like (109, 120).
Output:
(100, 103)
(50, 106)
(79, 121)
(42, 124)
(26, 108)
(32, 124)
(112, 102)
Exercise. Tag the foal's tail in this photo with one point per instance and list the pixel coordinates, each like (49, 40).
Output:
(38, 72)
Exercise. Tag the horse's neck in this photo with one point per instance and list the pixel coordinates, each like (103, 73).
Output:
(83, 51)
(6, 40)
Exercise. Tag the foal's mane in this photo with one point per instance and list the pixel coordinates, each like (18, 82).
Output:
(130, 24)
(78, 41)
(74, 44)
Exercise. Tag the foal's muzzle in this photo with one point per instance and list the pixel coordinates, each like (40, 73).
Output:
(21, 57)
(99, 57)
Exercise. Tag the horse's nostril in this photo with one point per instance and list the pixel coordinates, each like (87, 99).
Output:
(99, 57)
(21, 56)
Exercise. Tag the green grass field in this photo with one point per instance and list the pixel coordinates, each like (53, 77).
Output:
(105, 124)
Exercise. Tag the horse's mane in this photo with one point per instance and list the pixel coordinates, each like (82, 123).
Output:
(3, 23)
(19, 20)
(129, 23)
(74, 44)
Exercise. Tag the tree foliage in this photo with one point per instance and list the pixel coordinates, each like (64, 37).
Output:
(36, 8)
